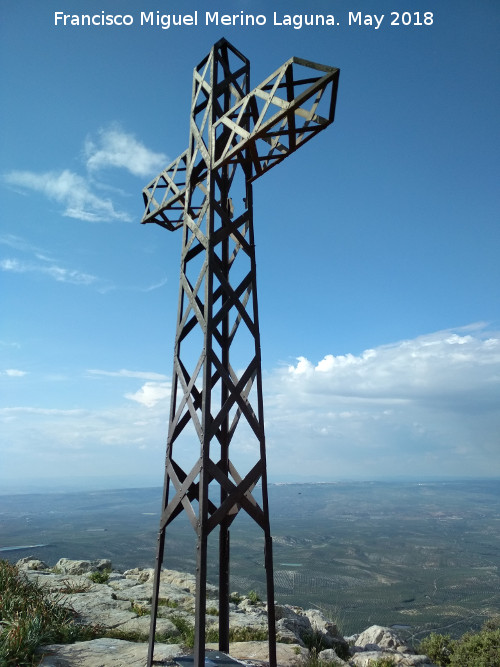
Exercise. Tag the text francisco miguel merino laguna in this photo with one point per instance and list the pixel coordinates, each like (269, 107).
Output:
(166, 21)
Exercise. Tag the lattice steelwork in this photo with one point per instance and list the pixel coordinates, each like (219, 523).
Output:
(235, 136)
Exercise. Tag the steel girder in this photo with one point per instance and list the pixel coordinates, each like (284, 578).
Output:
(235, 136)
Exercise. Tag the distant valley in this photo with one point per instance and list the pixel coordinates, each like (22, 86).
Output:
(417, 556)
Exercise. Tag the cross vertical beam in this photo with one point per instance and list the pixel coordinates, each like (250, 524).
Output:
(236, 135)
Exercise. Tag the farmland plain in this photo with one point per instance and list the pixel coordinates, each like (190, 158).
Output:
(420, 556)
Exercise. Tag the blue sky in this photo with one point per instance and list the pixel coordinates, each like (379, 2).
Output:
(377, 244)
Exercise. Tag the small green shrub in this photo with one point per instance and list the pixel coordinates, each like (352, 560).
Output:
(438, 648)
(480, 649)
(186, 630)
(247, 635)
(212, 611)
(71, 587)
(312, 660)
(126, 635)
(253, 596)
(492, 623)
(100, 576)
(29, 617)
(139, 609)
(382, 662)
(166, 602)
(235, 598)
(315, 642)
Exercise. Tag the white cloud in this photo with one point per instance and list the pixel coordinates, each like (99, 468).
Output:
(14, 373)
(58, 273)
(113, 148)
(422, 407)
(151, 393)
(142, 375)
(116, 148)
(71, 190)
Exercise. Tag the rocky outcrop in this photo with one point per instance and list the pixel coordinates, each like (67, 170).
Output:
(121, 602)
(377, 643)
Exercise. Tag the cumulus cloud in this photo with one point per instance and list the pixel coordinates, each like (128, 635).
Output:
(422, 406)
(114, 147)
(70, 190)
(426, 407)
(151, 393)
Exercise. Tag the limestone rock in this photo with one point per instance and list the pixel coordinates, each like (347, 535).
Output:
(123, 602)
(367, 658)
(378, 642)
(98, 607)
(309, 627)
(108, 652)
(329, 656)
(68, 566)
(259, 651)
(379, 637)
(30, 563)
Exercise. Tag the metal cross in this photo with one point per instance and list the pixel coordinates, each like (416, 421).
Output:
(236, 135)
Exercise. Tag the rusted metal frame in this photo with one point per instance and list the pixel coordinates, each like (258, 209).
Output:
(194, 227)
(191, 292)
(224, 536)
(237, 321)
(228, 74)
(309, 117)
(275, 143)
(232, 229)
(239, 492)
(238, 480)
(222, 207)
(245, 393)
(236, 397)
(197, 396)
(223, 179)
(233, 299)
(268, 542)
(187, 327)
(191, 494)
(190, 251)
(182, 489)
(236, 495)
(200, 144)
(233, 146)
(178, 189)
(269, 99)
(194, 302)
(225, 286)
(189, 391)
(275, 119)
(200, 84)
(166, 484)
(234, 391)
(331, 75)
(190, 404)
(235, 51)
(235, 126)
(202, 536)
(290, 94)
